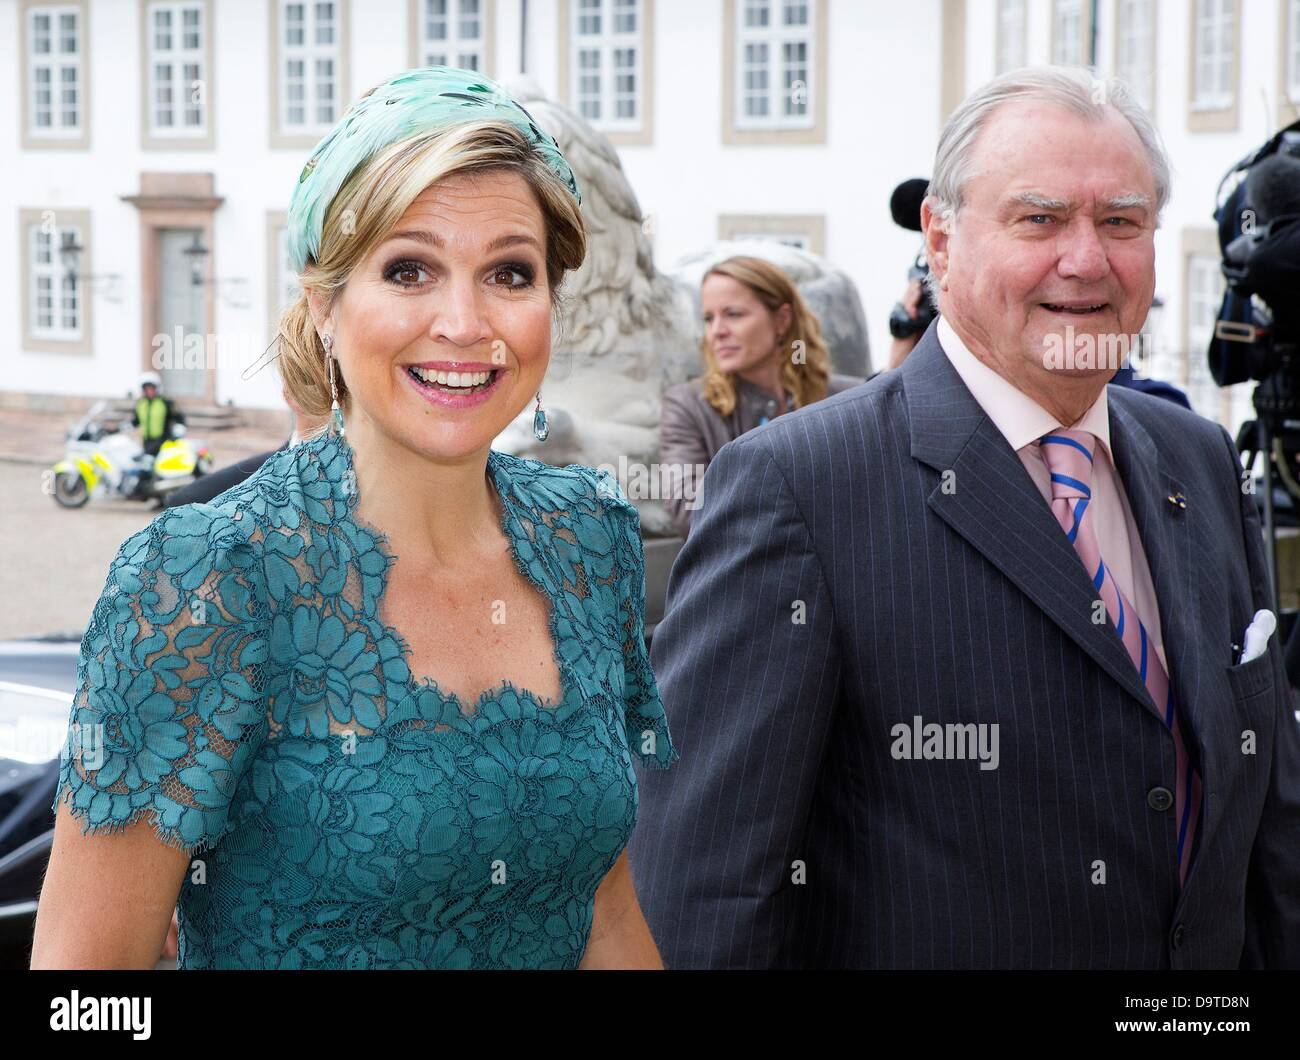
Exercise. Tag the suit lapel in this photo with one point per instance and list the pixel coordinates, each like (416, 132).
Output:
(990, 500)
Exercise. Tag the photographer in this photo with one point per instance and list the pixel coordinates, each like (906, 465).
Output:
(913, 312)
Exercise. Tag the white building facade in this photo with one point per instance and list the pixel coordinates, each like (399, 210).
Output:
(156, 143)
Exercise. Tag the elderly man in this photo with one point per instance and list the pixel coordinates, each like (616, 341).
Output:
(957, 659)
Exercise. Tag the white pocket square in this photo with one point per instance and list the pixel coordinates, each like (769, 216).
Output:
(1257, 633)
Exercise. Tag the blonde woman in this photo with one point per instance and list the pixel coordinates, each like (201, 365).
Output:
(377, 705)
(763, 356)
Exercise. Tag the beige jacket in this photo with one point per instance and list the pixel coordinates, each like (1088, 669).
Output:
(691, 432)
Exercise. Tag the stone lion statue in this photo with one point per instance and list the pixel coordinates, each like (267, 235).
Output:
(628, 331)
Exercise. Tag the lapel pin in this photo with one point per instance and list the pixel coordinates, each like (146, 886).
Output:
(1178, 501)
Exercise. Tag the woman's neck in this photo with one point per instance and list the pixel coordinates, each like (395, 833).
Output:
(767, 376)
(443, 512)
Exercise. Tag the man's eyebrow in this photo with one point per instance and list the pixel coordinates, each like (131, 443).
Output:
(1132, 201)
(1039, 202)
(510, 240)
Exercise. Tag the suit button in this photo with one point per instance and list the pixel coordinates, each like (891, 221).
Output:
(1160, 799)
(1177, 938)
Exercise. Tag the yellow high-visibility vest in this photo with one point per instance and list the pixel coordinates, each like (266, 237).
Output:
(151, 413)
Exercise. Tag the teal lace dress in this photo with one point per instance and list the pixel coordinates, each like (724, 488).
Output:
(238, 689)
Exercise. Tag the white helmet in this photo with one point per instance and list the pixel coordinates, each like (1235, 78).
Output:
(150, 379)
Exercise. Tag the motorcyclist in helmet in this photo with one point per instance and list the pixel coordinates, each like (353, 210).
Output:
(157, 417)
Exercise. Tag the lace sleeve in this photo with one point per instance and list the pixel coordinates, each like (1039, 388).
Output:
(647, 724)
(168, 711)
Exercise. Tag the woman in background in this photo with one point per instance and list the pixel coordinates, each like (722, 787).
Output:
(763, 355)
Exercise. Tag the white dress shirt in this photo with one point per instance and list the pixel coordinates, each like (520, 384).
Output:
(1022, 421)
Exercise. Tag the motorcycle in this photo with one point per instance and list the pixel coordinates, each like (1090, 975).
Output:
(103, 460)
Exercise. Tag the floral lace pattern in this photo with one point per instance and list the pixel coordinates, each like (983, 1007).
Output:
(238, 688)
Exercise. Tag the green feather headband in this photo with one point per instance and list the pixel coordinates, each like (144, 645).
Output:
(406, 105)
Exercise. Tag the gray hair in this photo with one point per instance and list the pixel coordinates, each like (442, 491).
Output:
(1073, 88)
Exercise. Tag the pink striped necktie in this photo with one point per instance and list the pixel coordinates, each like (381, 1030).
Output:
(1068, 455)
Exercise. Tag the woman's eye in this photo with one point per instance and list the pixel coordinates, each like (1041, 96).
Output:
(405, 273)
(512, 276)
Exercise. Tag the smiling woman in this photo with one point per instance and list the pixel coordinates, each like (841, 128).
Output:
(393, 684)
(442, 330)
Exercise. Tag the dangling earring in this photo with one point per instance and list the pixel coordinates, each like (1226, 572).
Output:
(540, 429)
(336, 414)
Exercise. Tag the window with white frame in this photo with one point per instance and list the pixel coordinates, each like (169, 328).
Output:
(1067, 34)
(1133, 48)
(54, 71)
(177, 100)
(1293, 51)
(55, 294)
(452, 33)
(1012, 51)
(1204, 298)
(606, 62)
(309, 66)
(774, 64)
(1212, 87)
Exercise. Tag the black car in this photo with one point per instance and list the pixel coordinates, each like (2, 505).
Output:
(37, 682)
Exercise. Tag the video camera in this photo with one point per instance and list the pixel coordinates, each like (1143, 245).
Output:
(1257, 333)
(1258, 214)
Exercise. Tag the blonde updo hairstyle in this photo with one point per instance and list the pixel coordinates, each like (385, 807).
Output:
(374, 199)
(809, 381)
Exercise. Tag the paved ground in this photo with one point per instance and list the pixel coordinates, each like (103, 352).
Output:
(38, 438)
(53, 561)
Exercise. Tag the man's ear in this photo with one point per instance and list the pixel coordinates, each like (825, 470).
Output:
(935, 230)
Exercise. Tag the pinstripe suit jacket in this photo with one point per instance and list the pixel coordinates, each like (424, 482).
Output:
(789, 836)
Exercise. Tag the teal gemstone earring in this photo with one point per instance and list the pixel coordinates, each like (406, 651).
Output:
(540, 428)
(336, 414)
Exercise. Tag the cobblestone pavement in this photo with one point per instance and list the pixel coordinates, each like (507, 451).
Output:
(54, 561)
